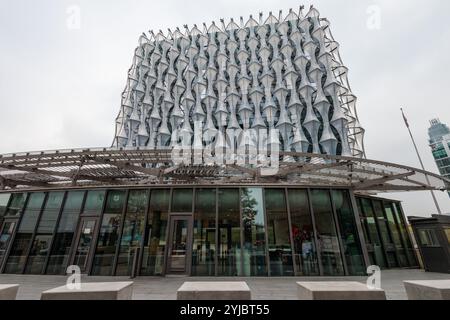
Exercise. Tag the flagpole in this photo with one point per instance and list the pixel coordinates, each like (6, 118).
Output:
(421, 162)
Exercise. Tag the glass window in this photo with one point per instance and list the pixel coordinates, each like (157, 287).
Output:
(109, 233)
(16, 204)
(17, 257)
(182, 200)
(50, 215)
(428, 238)
(155, 233)
(38, 253)
(326, 233)
(229, 244)
(303, 233)
(404, 231)
(385, 235)
(447, 234)
(133, 230)
(5, 238)
(59, 257)
(41, 244)
(204, 238)
(4, 199)
(375, 240)
(349, 232)
(396, 234)
(279, 242)
(94, 201)
(254, 253)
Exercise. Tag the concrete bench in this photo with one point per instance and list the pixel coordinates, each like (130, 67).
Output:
(428, 289)
(8, 291)
(92, 291)
(214, 290)
(342, 290)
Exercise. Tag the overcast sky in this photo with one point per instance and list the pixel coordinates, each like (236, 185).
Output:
(60, 85)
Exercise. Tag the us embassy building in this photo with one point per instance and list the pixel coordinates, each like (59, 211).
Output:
(237, 152)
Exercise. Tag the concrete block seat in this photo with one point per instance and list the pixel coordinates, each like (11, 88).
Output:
(214, 290)
(92, 291)
(428, 289)
(340, 290)
(8, 291)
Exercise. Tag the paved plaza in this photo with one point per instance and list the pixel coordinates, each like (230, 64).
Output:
(165, 288)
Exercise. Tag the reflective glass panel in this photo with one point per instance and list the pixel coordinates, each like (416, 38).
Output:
(4, 199)
(5, 238)
(182, 200)
(204, 237)
(18, 255)
(375, 240)
(16, 204)
(133, 230)
(229, 233)
(349, 233)
(42, 241)
(155, 233)
(254, 253)
(279, 242)
(396, 235)
(108, 237)
(405, 231)
(62, 243)
(385, 234)
(326, 233)
(94, 201)
(303, 233)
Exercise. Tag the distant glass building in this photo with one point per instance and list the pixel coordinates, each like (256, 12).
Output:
(439, 135)
(294, 197)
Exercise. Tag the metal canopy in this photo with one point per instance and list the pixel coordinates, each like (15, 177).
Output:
(137, 166)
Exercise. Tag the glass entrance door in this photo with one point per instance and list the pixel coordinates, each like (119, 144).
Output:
(84, 243)
(180, 242)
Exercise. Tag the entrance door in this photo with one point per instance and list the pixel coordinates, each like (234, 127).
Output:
(84, 243)
(180, 243)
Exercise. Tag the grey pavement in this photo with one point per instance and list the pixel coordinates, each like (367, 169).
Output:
(264, 288)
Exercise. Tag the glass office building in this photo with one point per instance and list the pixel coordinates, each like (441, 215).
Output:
(202, 231)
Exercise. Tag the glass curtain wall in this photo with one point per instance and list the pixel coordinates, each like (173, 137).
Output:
(302, 229)
(133, 230)
(59, 255)
(40, 247)
(254, 253)
(349, 233)
(19, 251)
(279, 240)
(229, 233)
(204, 235)
(155, 233)
(108, 237)
(327, 236)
